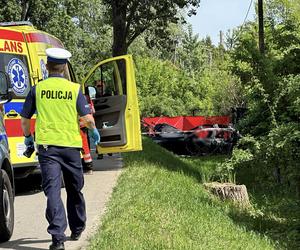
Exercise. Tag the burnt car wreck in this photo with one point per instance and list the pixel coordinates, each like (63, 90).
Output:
(196, 136)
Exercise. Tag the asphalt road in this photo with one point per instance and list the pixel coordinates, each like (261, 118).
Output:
(30, 202)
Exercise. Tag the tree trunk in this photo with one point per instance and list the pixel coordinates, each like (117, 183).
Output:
(298, 187)
(119, 28)
(229, 191)
(25, 8)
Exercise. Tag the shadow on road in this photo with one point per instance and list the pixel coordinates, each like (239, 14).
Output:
(108, 163)
(29, 185)
(32, 183)
(20, 244)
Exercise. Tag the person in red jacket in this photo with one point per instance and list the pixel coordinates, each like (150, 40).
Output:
(87, 162)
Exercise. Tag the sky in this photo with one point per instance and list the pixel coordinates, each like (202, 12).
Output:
(215, 15)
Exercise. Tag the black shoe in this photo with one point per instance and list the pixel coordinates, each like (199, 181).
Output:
(88, 172)
(100, 157)
(75, 236)
(87, 166)
(57, 246)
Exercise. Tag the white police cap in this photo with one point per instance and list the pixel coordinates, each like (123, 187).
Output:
(58, 55)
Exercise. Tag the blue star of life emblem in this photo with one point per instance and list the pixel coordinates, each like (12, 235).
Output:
(44, 69)
(18, 75)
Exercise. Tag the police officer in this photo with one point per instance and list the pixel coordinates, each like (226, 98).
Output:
(57, 103)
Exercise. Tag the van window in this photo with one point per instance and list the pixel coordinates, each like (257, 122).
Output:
(16, 67)
(71, 74)
(109, 79)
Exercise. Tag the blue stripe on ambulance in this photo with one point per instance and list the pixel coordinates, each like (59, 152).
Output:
(17, 106)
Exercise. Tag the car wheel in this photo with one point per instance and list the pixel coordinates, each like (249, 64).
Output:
(6, 208)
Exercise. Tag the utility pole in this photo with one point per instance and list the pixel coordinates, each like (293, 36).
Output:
(221, 38)
(261, 39)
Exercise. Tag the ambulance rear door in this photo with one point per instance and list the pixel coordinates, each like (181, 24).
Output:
(15, 62)
(112, 88)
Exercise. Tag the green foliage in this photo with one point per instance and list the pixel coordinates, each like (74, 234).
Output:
(132, 18)
(177, 73)
(226, 171)
(272, 88)
(10, 11)
(287, 102)
(271, 159)
(276, 145)
(191, 53)
(282, 151)
(168, 89)
(195, 75)
(221, 89)
(80, 25)
(242, 157)
(84, 34)
(161, 88)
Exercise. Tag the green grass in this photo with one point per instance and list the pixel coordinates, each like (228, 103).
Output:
(274, 214)
(159, 203)
(205, 166)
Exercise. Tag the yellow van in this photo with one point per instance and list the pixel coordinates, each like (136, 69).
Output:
(23, 58)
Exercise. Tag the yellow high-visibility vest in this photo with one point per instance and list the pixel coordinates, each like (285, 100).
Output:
(57, 118)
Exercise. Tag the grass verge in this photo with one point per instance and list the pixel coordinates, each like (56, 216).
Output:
(159, 203)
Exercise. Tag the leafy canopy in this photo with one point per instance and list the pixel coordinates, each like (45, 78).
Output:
(130, 18)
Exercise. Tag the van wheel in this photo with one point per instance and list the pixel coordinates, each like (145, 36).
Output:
(6, 208)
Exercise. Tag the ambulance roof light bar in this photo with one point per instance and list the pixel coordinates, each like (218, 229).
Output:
(19, 23)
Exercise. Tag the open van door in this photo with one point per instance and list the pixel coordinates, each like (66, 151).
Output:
(112, 88)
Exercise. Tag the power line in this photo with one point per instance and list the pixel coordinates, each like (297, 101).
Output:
(245, 19)
(247, 13)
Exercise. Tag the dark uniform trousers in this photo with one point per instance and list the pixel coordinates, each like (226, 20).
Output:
(54, 160)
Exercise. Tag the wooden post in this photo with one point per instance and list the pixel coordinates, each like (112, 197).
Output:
(261, 41)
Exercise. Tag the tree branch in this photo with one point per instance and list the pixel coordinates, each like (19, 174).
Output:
(129, 19)
(139, 31)
(135, 35)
